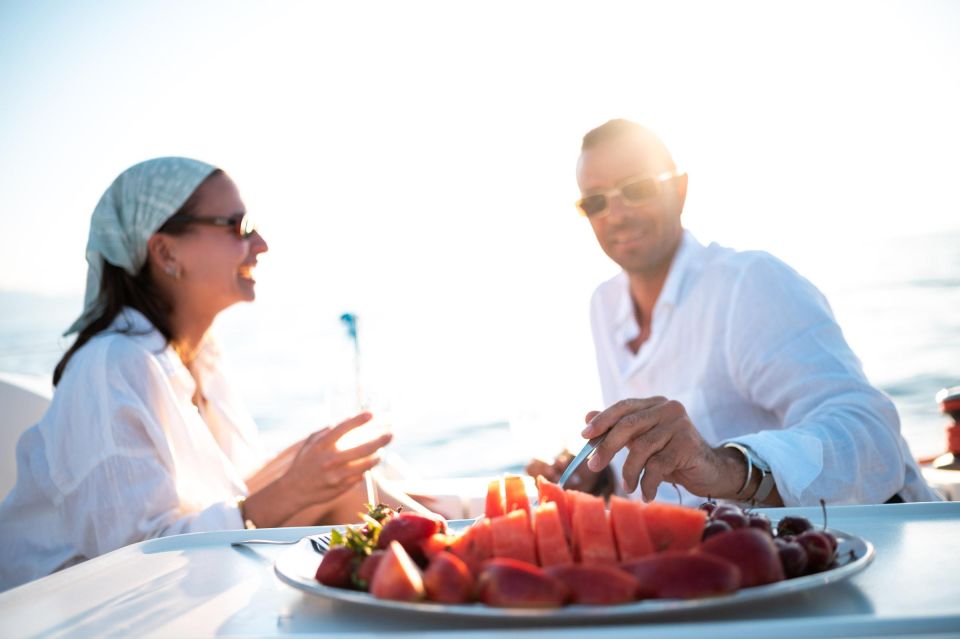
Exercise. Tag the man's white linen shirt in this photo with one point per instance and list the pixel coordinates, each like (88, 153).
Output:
(753, 352)
(124, 455)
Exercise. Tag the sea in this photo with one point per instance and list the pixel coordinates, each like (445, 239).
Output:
(897, 300)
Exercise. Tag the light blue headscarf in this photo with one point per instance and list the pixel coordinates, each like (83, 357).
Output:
(138, 202)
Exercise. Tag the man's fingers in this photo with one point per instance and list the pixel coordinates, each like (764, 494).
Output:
(641, 450)
(628, 429)
(605, 420)
(590, 416)
(653, 473)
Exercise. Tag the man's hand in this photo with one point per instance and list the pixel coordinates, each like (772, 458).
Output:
(664, 444)
(583, 479)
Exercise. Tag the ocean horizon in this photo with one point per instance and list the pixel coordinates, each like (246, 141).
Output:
(896, 301)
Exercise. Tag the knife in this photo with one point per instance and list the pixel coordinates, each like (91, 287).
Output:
(583, 455)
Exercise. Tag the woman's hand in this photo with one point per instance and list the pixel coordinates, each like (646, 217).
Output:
(274, 468)
(664, 444)
(318, 473)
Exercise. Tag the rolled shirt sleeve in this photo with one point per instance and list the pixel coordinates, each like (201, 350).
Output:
(840, 438)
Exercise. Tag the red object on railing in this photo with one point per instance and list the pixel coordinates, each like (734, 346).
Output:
(949, 399)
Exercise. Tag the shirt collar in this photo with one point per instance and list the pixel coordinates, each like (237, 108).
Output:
(672, 287)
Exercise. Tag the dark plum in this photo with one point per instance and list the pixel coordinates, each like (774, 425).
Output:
(833, 540)
(761, 521)
(793, 526)
(793, 557)
(818, 548)
(726, 508)
(735, 519)
(715, 527)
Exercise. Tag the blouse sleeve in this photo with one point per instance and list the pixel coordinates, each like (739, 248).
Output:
(122, 457)
(840, 439)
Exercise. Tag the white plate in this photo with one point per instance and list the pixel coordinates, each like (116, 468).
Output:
(298, 565)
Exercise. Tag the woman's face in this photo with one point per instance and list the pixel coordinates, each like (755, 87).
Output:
(216, 267)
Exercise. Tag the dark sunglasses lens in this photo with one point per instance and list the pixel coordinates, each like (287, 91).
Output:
(593, 204)
(639, 191)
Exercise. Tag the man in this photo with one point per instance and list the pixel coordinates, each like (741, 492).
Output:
(725, 372)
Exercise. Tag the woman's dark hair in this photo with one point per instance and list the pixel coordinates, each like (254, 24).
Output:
(119, 289)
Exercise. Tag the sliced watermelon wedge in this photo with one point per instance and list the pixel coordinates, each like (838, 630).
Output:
(674, 527)
(512, 537)
(592, 538)
(552, 547)
(494, 504)
(549, 492)
(629, 527)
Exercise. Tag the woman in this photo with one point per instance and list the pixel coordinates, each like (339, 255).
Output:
(145, 436)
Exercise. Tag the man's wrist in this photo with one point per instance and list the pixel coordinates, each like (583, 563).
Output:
(758, 479)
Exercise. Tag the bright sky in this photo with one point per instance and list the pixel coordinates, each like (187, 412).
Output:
(414, 161)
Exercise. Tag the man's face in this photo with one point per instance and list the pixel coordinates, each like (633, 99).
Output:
(641, 238)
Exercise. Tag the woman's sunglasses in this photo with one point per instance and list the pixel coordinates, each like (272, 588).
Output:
(242, 224)
(633, 192)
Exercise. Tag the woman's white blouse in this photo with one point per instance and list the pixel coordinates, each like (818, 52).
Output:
(124, 455)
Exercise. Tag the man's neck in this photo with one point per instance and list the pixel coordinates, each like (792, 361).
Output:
(645, 289)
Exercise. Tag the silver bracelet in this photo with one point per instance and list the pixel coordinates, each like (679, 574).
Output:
(747, 456)
(765, 487)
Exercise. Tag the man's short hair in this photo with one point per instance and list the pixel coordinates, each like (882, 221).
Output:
(621, 128)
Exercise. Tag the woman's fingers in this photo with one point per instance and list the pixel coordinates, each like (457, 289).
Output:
(366, 448)
(356, 467)
(539, 467)
(347, 425)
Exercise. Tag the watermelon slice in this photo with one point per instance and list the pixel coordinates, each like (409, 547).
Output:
(571, 497)
(515, 495)
(552, 547)
(512, 537)
(629, 528)
(550, 492)
(592, 538)
(475, 545)
(494, 505)
(674, 527)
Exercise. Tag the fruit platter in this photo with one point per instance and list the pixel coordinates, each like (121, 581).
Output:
(570, 555)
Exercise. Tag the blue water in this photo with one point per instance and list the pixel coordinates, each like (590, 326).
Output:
(898, 302)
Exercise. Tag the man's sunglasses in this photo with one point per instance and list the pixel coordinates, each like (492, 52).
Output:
(633, 192)
(242, 224)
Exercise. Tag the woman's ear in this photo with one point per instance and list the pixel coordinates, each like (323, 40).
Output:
(161, 253)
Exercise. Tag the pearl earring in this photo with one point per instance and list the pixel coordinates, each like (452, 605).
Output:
(173, 271)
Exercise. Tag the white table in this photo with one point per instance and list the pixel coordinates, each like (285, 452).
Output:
(197, 585)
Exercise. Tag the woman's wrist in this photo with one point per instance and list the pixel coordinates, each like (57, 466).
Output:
(268, 507)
